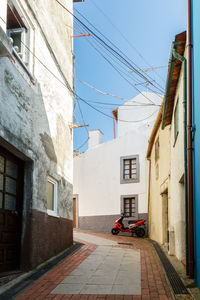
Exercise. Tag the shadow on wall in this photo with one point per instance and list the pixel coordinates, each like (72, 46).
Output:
(26, 130)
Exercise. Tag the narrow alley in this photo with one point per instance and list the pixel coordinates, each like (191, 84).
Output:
(105, 267)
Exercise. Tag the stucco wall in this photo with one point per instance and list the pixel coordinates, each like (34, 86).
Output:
(97, 176)
(159, 184)
(177, 203)
(97, 171)
(35, 119)
(143, 117)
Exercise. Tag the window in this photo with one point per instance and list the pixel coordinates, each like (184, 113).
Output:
(157, 150)
(129, 169)
(176, 121)
(52, 196)
(129, 206)
(157, 171)
(18, 30)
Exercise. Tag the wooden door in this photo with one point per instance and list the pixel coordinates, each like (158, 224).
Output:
(74, 212)
(11, 196)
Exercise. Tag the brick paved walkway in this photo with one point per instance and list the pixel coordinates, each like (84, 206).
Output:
(153, 282)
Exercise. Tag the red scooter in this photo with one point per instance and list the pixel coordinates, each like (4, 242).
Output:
(136, 227)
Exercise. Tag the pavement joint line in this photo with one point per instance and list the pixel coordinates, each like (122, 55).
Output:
(150, 264)
(37, 273)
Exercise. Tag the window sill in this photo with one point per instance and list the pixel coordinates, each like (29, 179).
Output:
(124, 181)
(18, 58)
(52, 213)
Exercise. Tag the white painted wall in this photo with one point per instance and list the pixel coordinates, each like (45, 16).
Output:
(95, 138)
(97, 171)
(137, 113)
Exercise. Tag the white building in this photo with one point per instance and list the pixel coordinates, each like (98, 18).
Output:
(111, 178)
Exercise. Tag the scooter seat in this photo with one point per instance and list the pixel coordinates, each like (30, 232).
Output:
(134, 221)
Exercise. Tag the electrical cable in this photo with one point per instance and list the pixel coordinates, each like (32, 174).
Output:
(126, 121)
(77, 149)
(124, 37)
(97, 90)
(74, 92)
(127, 75)
(109, 48)
(113, 45)
(41, 61)
(119, 72)
(124, 104)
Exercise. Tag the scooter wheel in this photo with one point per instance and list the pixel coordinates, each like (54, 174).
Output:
(140, 232)
(115, 231)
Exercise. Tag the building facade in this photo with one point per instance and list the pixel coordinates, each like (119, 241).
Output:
(111, 178)
(36, 142)
(167, 189)
(158, 154)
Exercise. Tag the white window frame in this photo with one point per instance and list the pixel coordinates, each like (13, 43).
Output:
(53, 212)
(23, 56)
(26, 35)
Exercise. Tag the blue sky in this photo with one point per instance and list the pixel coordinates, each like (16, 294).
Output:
(149, 26)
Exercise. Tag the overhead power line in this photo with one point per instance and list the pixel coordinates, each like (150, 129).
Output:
(135, 104)
(74, 92)
(120, 72)
(125, 38)
(122, 58)
(126, 121)
(134, 69)
(109, 94)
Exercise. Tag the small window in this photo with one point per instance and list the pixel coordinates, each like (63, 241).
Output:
(129, 206)
(19, 31)
(52, 196)
(176, 121)
(129, 169)
(157, 171)
(157, 150)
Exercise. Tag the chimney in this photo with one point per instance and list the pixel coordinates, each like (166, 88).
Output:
(95, 138)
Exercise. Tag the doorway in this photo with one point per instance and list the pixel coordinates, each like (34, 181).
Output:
(11, 205)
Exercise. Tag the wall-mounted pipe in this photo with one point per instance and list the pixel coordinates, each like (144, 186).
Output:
(189, 141)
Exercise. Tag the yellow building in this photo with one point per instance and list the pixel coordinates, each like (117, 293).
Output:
(166, 199)
(158, 154)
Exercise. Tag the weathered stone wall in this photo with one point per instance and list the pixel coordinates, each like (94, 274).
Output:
(35, 126)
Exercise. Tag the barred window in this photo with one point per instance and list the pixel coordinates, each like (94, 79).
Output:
(157, 150)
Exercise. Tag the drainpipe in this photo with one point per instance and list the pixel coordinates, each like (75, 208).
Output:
(148, 214)
(184, 62)
(189, 142)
